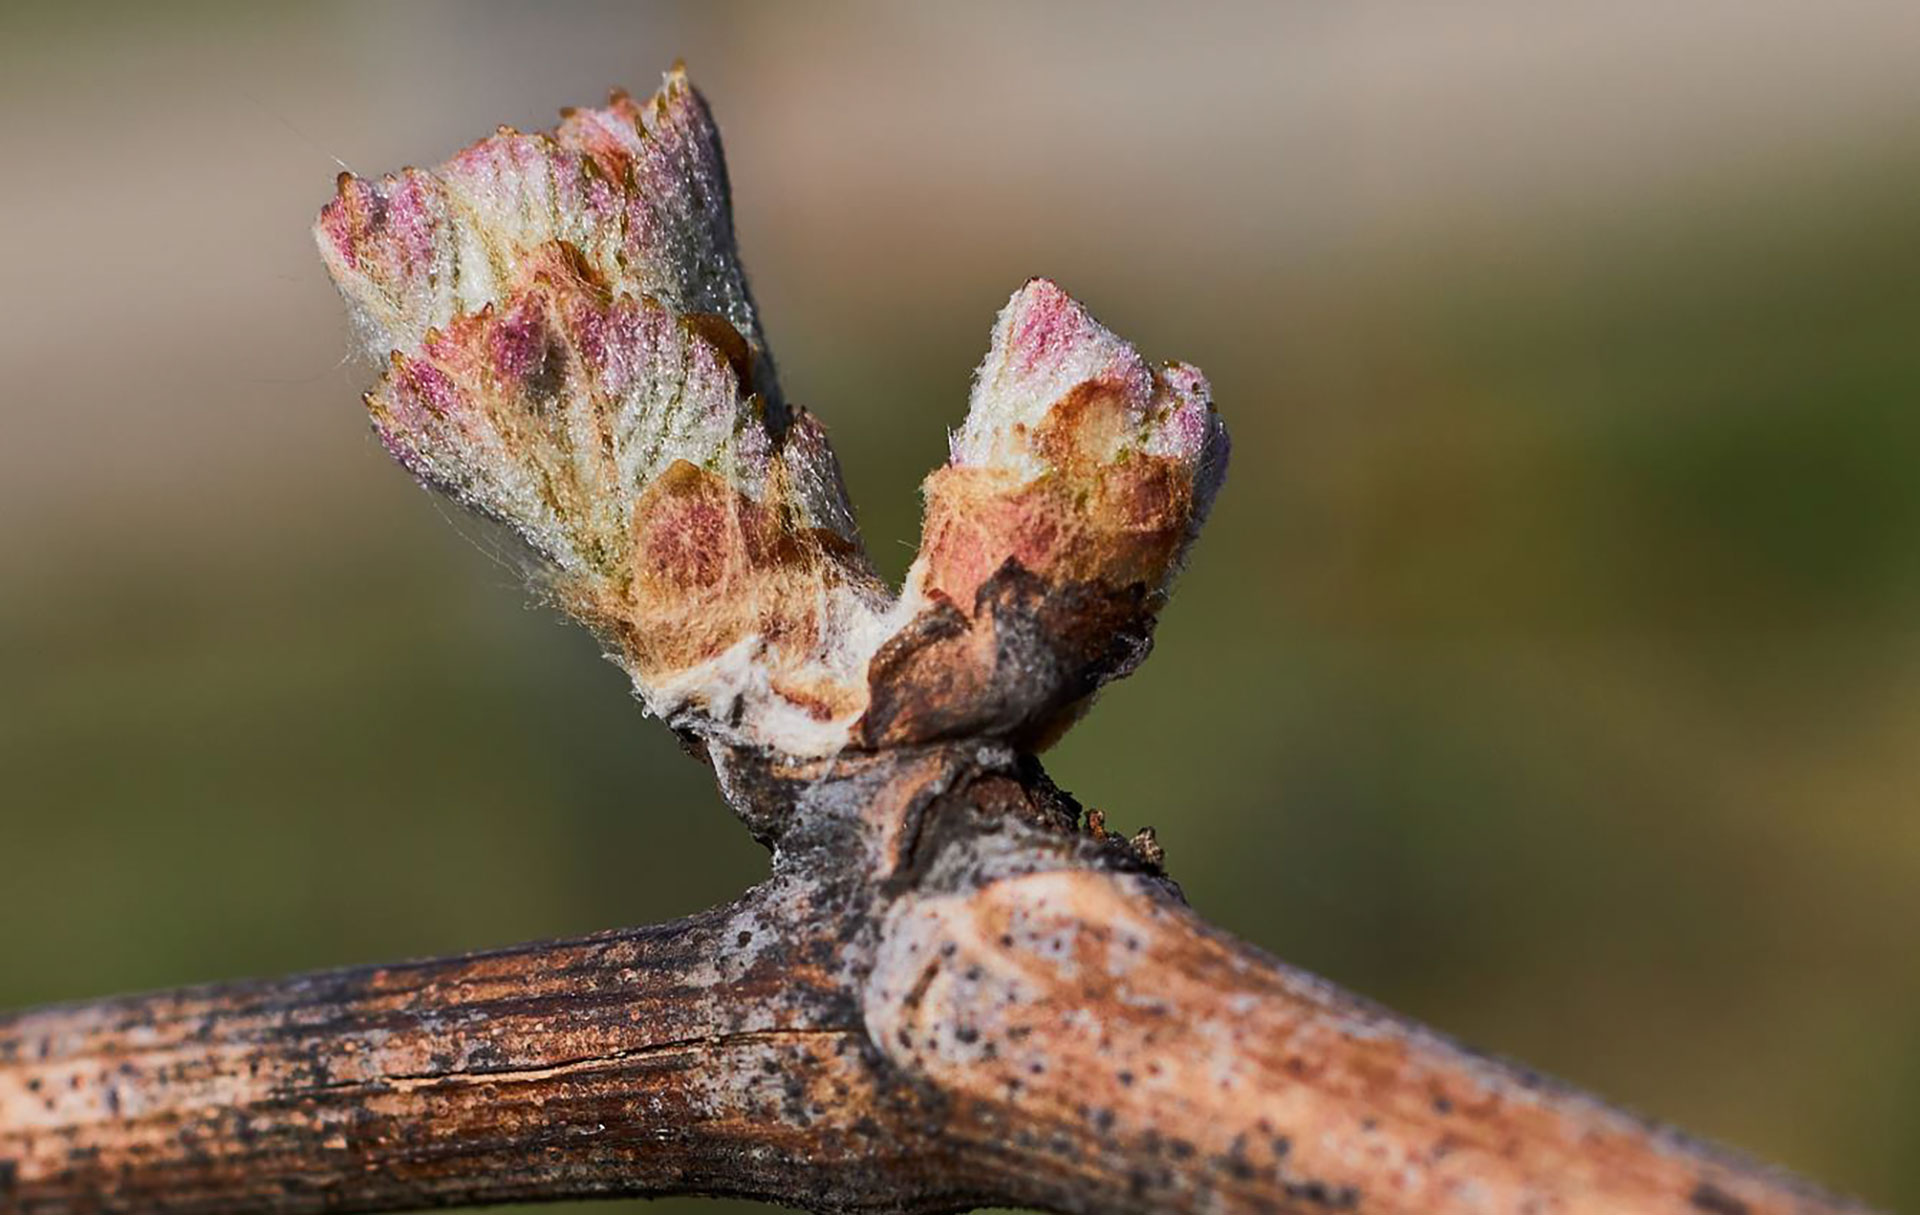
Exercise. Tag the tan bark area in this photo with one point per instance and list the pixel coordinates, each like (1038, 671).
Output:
(946, 996)
(1156, 1062)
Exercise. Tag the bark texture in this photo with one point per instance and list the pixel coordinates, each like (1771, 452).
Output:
(948, 994)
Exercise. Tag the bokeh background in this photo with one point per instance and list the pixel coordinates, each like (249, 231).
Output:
(1550, 669)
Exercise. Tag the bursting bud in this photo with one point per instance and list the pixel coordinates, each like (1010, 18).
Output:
(569, 347)
(1075, 487)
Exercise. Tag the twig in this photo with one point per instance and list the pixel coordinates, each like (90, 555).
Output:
(1002, 1012)
(950, 992)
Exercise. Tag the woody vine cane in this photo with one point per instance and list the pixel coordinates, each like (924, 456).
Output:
(954, 988)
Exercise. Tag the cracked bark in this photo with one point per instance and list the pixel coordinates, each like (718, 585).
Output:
(988, 1005)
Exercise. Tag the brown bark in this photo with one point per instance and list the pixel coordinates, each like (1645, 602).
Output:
(946, 995)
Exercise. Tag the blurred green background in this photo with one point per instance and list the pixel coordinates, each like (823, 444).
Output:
(1550, 669)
